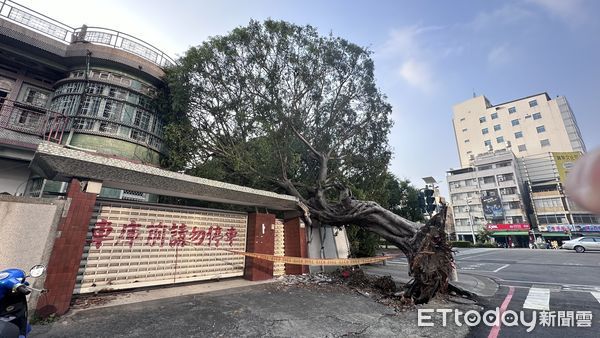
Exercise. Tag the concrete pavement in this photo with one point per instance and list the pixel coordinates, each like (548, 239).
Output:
(261, 310)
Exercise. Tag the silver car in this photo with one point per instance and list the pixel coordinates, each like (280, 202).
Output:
(582, 244)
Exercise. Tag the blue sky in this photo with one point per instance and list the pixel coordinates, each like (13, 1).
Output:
(429, 55)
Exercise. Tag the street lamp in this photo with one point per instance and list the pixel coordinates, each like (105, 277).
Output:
(471, 219)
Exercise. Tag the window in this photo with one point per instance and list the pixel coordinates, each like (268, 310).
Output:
(588, 239)
(533, 103)
(508, 191)
(487, 143)
(462, 119)
(107, 127)
(117, 93)
(512, 110)
(95, 88)
(138, 135)
(537, 116)
(482, 119)
(552, 219)
(142, 119)
(505, 177)
(545, 143)
(484, 131)
(503, 164)
(465, 129)
(586, 219)
(28, 118)
(494, 116)
(514, 205)
(499, 139)
(487, 180)
(90, 106)
(522, 147)
(112, 110)
(514, 122)
(36, 97)
(540, 129)
(467, 141)
(519, 134)
(497, 127)
(484, 167)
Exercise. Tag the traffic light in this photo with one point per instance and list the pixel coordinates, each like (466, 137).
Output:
(429, 200)
(422, 205)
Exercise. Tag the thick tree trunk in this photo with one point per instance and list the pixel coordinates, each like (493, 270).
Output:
(425, 245)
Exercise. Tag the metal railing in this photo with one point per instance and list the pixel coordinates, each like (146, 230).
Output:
(23, 118)
(59, 31)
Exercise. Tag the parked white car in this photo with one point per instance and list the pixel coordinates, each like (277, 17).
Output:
(582, 244)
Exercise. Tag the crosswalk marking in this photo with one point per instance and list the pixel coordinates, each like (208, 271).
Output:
(537, 299)
(596, 295)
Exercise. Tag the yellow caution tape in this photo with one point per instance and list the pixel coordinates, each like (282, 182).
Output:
(314, 261)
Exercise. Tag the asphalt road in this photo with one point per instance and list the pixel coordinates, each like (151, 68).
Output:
(536, 281)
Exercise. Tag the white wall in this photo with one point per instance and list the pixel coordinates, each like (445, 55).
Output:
(335, 246)
(27, 231)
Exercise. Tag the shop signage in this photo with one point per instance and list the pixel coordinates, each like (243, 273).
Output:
(508, 227)
(492, 207)
(565, 161)
(570, 227)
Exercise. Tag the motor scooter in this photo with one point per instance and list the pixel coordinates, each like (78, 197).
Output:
(14, 288)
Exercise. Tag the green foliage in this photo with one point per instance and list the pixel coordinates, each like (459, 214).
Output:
(265, 104)
(402, 199)
(363, 243)
(461, 244)
(484, 235)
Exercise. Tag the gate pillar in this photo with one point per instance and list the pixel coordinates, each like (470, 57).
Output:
(67, 251)
(260, 239)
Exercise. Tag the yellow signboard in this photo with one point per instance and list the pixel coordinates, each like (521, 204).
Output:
(565, 161)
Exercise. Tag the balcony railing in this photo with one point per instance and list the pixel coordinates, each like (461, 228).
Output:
(545, 193)
(29, 119)
(66, 34)
(22, 118)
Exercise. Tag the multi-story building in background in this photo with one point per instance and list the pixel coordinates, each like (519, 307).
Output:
(532, 125)
(489, 193)
(87, 88)
(541, 137)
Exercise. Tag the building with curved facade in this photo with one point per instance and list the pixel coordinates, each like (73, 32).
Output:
(87, 88)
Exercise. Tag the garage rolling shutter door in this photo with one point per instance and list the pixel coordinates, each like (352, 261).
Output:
(134, 245)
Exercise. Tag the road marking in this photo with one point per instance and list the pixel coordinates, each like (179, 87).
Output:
(502, 267)
(496, 328)
(596, 295)
(537, 299)
(396, 262)
(596, 287)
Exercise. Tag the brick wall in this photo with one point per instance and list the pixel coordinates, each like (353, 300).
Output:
(67, 251)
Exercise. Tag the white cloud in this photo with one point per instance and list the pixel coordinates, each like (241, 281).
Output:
(499, 55)
(507, 14)
(407, 47)
(405, 41)
(418, 74)
(570, 11)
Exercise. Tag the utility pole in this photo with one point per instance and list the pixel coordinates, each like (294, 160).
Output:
(471, 220)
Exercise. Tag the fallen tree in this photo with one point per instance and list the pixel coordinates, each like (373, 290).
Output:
(277, 106)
